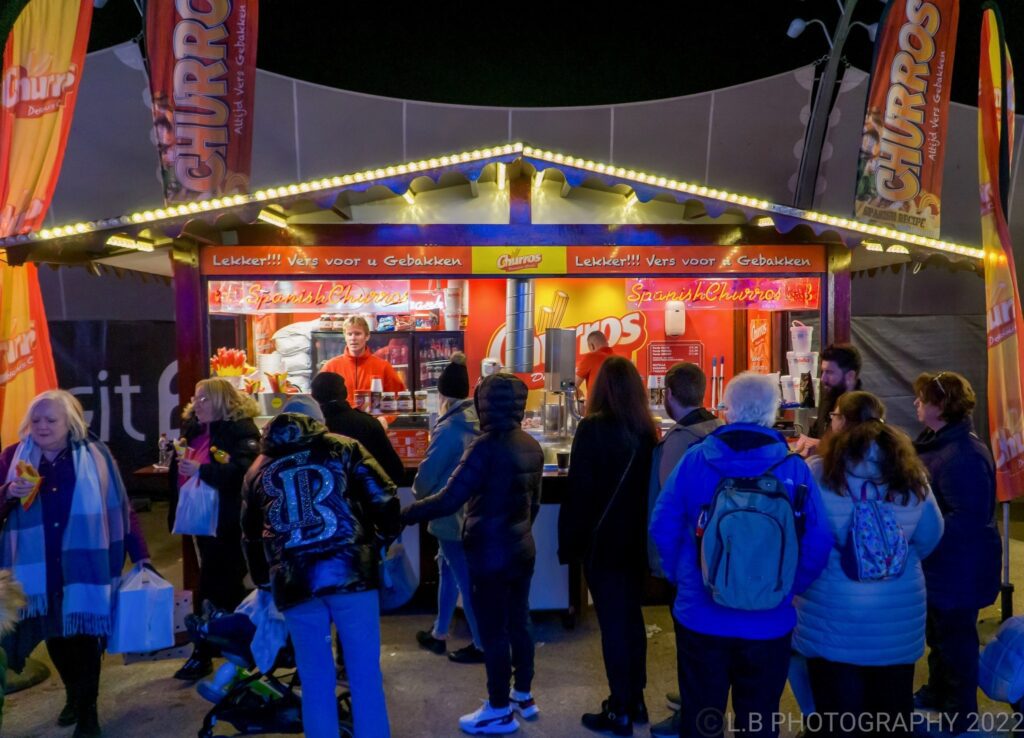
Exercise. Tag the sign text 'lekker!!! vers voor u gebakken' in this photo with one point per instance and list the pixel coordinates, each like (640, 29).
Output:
(520, 261)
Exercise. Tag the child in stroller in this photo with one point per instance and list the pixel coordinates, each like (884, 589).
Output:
(251, 700)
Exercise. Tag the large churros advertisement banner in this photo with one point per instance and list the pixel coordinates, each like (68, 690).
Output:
(42, 68)
(202, 72)
(1002, 294)
(903, 145)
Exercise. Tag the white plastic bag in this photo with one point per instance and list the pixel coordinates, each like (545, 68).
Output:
(271, 632)
(144, 613)
(198, 507)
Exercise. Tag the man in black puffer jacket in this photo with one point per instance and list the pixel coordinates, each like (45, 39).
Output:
(317, 508)
(498, 480)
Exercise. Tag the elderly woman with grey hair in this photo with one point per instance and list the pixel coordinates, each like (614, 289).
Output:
(733, 634)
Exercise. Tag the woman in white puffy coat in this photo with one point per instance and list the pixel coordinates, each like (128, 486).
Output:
(862, 638)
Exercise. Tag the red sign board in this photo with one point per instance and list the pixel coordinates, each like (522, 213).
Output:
(374, 261)
(760, 293)
(695, 259)
(336, 260)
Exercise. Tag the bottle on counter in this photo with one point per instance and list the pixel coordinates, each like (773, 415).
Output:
(420, 401)
(363, 400)
(405, 404)
(376, 391)
(388, 403)
(164, 451)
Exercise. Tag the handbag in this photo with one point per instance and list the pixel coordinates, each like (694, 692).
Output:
(144, 613)
(397, 580)
(198, 509)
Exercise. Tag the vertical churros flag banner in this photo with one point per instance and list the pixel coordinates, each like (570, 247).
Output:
(1002, 294)
(903, 145)
(202, 71)
(42, 68)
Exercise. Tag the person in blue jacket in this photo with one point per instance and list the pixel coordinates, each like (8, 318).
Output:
(722, 649)
(453, 433)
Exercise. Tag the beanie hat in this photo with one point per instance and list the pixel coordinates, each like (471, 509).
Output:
(454, 379)
(328, 387)
(303, 405)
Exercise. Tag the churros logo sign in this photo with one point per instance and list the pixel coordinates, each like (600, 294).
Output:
(17, 354)
(519, 259)
(38, 89)
(898, 177)
(627, 334)
(201, 112)
(515, 262)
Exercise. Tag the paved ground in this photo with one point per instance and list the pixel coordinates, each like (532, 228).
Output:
(426, 693)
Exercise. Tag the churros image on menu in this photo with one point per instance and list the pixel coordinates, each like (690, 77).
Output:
(558, 306)
(544, 319)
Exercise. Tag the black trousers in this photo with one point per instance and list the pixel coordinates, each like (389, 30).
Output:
(78, 662)
(711, 666)
(501, 601)
(221, 571)
(952, 636)
(878, 693)
(618, 595)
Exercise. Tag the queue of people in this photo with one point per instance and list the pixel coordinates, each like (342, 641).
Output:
(770, 554)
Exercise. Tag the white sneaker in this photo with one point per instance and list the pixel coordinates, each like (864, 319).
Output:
(489, 721)
(524, 704)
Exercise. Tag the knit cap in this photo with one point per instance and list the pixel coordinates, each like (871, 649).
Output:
(454, 379)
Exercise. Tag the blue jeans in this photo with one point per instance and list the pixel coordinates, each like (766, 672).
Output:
(454, 578)
(357, 618)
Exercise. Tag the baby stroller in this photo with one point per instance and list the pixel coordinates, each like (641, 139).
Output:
(252, 701)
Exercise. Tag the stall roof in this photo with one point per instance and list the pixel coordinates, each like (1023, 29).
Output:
(130, 240)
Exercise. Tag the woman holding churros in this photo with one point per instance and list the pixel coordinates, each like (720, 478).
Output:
(67, 529)
(218, 443)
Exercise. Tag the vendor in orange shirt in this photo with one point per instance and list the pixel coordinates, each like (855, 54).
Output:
(358, 365)
(587, 366)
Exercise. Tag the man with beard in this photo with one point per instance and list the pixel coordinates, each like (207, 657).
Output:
(840, 373)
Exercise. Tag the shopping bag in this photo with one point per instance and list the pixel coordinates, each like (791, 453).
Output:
(397, 579)
(198, 507)
(143, 614)
(271, 632)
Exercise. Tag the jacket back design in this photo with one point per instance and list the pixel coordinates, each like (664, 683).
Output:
(297, 488)
(316, 511)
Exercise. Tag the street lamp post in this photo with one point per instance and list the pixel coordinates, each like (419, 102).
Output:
(810, 159)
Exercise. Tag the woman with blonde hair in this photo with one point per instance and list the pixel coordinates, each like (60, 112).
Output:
(220, 419)
(61, 493)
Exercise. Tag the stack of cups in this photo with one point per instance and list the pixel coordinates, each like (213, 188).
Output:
(801, 359)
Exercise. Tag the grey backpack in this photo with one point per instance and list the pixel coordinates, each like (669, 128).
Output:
(749, 540)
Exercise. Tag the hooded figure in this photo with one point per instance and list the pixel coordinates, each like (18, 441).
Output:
(498, 482)
(316, 512)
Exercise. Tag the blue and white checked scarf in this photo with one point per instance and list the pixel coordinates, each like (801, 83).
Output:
(93, 548)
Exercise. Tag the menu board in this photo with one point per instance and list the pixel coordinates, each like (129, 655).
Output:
(410, 443)
(661, 355)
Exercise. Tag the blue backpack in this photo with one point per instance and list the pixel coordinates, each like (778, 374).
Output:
(875, 547)
(748, 538)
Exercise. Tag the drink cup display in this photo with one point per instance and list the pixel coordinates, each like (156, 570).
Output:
(800, 336)
(802, 363)
(562, 458)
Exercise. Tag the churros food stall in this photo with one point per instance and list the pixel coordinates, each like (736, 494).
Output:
(522, 308)
(512, 253)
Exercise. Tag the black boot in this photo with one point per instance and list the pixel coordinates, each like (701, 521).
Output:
(68, 669)
(88, 722)
(88, 693)
(638, 712)
(611, 719)
(199, 664)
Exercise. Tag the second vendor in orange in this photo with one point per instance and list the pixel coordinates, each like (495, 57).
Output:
(358, 365)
